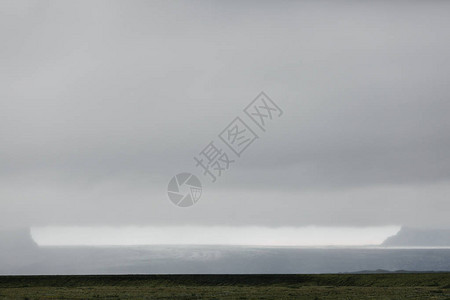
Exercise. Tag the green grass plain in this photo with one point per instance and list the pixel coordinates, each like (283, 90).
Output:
(323, 286)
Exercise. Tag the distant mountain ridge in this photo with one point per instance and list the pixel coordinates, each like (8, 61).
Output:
(413, 237)
(17, 250)
(17, 239)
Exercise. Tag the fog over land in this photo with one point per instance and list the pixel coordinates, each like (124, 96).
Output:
(103, 102)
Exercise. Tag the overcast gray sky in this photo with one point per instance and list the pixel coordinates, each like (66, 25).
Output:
(102, 102)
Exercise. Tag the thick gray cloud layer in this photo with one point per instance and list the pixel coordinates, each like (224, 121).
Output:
(103, 101)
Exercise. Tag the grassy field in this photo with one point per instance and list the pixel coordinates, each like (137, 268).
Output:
(326, 286)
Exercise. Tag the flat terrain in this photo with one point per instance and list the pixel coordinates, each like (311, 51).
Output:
(325, 286)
